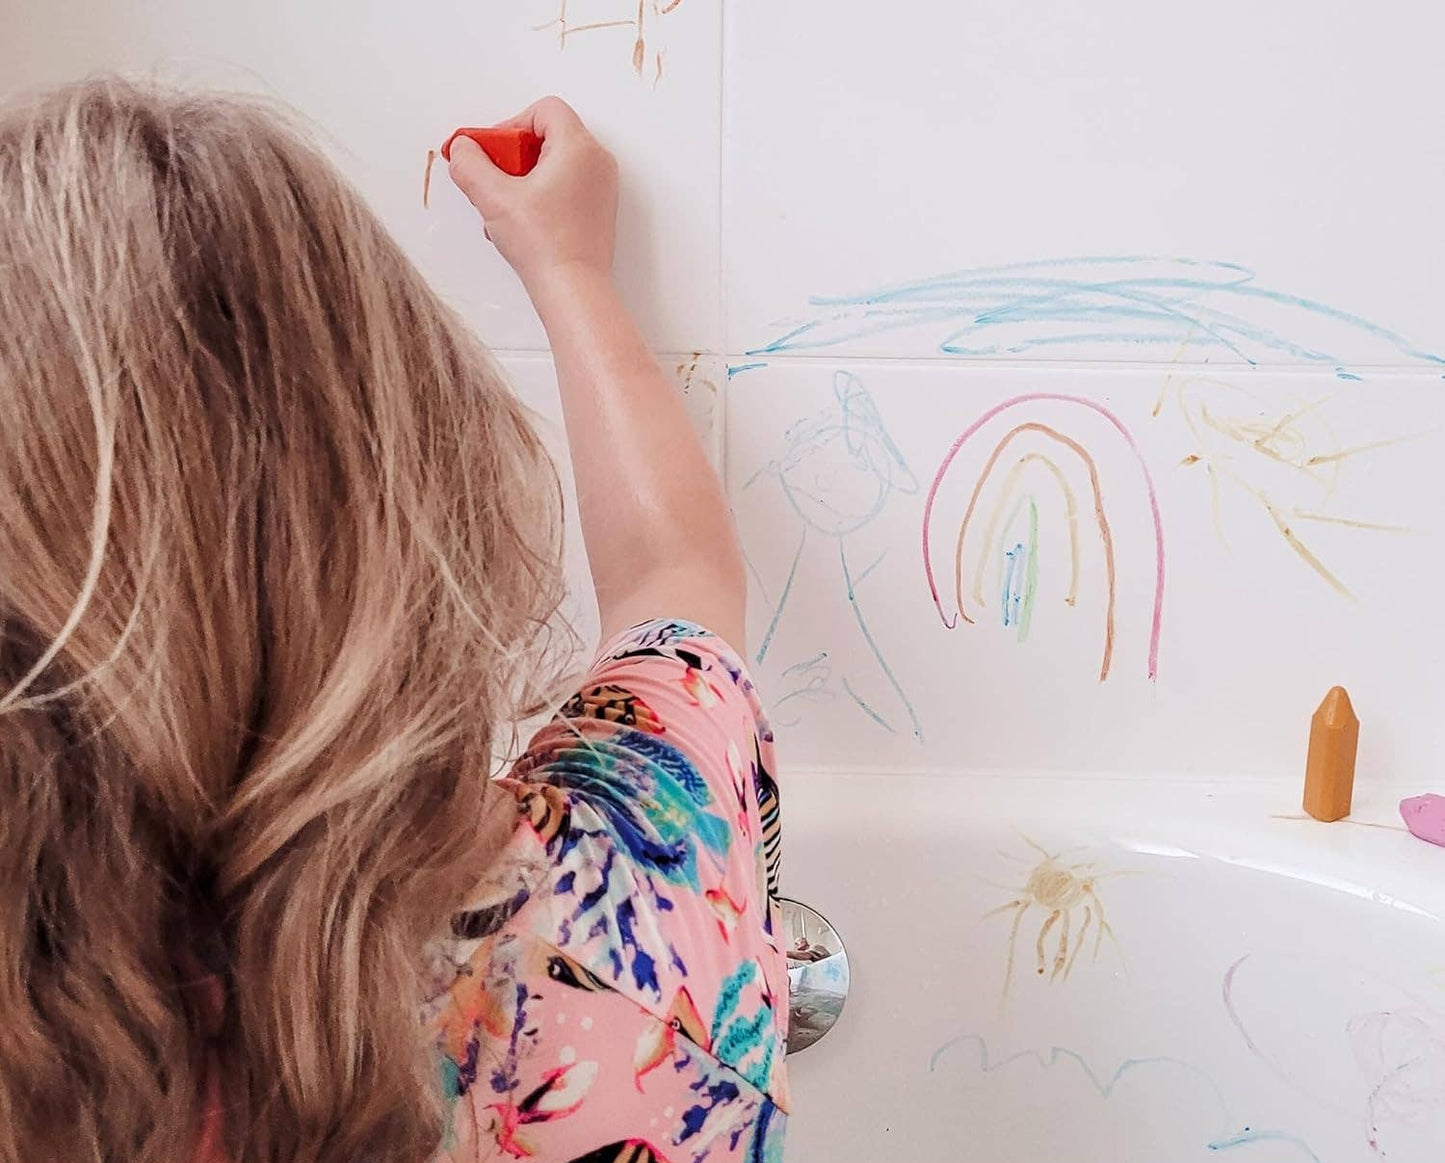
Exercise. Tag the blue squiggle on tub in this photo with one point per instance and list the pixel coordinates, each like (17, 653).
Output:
(1057, 1054)
(1105, 1087)
(1248, 1138)
(1134, 300)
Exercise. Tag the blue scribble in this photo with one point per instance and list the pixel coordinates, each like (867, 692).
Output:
(866, 709)
(1106, 1086)
(1249, 1137)
(737, 369)
(1057, 1054)
(1013, 594)
(782, 601)
(838, 471)
(877, 650)
(811, 679)
(874, 564)
(1131, 301)
(807, 663)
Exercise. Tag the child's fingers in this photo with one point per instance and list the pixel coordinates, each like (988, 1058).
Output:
(554, 115)
(475, 175)
(550, 117)
(523, 120)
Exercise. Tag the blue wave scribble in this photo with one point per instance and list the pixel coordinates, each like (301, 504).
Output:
(1057, 1054)
(1216, 308)
(1106, 1086)
(1248, 1137)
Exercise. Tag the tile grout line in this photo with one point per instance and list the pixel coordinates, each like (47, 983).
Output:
(720, 318)
(1089, 367)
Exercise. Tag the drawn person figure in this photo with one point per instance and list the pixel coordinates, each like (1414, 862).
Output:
(838, 472)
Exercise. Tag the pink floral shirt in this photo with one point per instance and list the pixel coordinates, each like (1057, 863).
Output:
(618, 992)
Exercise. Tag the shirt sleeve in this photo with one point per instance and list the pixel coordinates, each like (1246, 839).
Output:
(652, 791)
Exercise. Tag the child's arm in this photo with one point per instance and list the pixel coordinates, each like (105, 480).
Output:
(659, 535)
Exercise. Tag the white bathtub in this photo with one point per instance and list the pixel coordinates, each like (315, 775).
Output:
(1273, 992)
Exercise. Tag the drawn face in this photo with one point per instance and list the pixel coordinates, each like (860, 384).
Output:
(841, 466)
(833, 488)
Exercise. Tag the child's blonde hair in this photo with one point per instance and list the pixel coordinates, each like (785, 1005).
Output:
(277, 553)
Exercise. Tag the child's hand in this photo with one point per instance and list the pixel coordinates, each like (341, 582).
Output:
(560, 218)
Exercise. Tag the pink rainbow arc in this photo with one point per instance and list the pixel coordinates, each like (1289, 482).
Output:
(1055, 397)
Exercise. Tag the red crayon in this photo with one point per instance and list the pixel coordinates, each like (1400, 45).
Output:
(513, 150)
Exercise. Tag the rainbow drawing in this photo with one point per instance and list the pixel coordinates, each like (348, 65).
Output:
(1019, 551)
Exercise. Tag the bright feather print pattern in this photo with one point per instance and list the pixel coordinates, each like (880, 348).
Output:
(617, 992)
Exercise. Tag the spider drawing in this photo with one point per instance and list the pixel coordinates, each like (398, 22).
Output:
(1059, 891)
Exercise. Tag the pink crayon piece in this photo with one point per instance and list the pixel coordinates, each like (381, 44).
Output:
(1425, 817)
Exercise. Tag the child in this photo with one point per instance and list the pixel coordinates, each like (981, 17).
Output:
(279, 554)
